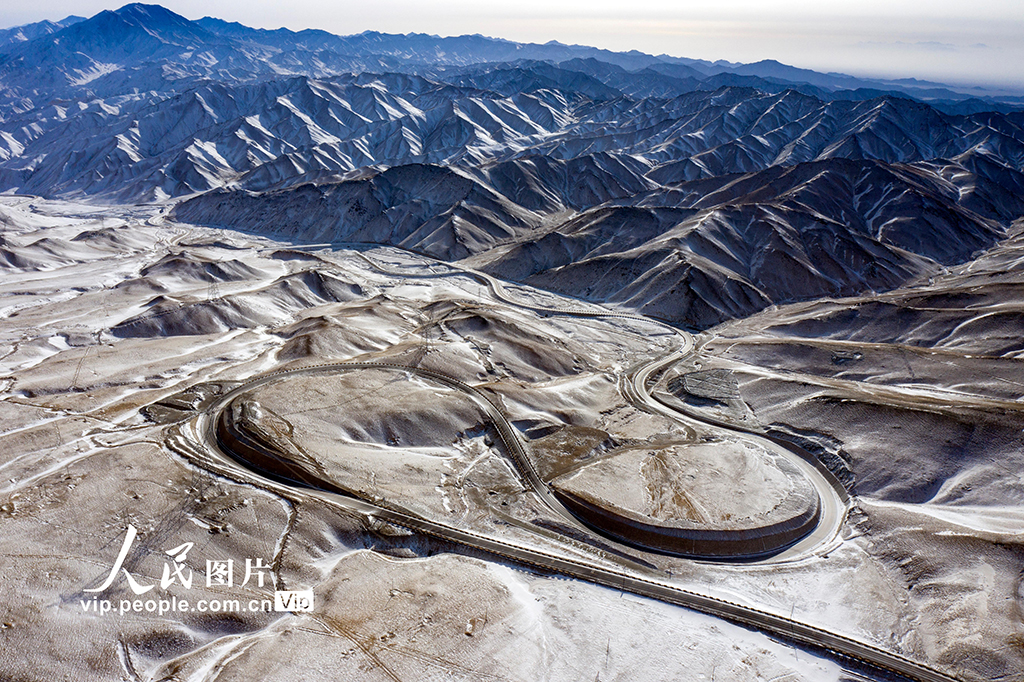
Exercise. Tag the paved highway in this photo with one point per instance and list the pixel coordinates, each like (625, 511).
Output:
(833, 496)
(198, 440)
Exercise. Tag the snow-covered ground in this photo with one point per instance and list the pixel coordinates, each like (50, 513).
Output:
(109, 310)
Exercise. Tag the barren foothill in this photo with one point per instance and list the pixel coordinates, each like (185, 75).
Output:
(82, 463)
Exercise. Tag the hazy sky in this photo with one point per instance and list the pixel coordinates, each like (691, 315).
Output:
(977, 41)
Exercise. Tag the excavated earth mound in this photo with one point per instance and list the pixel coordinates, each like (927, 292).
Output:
(722, 499)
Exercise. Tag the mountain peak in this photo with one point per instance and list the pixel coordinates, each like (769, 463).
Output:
(142, 9)
(151, 15)
(27, 32)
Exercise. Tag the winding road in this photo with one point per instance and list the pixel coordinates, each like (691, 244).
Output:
(832, 494)
(198, 440)
(835, 500)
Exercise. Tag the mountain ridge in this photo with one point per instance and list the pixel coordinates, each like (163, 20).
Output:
(689, 190)
(254, 53)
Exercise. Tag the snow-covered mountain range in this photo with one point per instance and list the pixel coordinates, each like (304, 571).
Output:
(690, 190)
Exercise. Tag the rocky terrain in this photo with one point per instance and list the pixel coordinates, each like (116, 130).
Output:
(138, 321)
(698, 296)
(692, 200)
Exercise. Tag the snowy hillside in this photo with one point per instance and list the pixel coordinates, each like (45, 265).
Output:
(610, 176)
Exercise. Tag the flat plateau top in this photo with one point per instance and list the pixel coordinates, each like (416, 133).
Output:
(725, 485)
